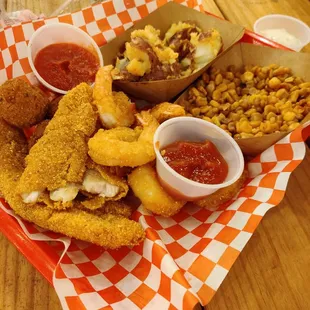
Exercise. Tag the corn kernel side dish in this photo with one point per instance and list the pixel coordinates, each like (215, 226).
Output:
(250, 102)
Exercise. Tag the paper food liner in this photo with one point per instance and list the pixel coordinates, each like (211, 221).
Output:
(184, 258)
(249, 54)
(162, 19)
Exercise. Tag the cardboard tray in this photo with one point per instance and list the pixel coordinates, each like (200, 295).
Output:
(162, 18)
(251, 54)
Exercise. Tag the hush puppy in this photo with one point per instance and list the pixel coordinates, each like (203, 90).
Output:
(21, 104)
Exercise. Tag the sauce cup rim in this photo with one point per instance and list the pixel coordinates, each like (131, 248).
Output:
(232, 142)
(58, 25)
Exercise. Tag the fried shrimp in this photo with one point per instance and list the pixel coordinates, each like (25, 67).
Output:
(21, 104)
(124, 146)
(166, 110)
(145, 185)
(223, 195)
(115, 108)
(110, 229)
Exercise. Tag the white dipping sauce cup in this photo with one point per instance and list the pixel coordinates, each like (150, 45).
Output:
(292, 25)
(196, 130)
(58, 33)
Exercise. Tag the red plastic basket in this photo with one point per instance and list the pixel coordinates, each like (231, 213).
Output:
(41, 254)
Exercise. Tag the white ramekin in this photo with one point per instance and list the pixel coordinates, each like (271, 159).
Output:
(58, 33)
(194, 129)
(292, 25)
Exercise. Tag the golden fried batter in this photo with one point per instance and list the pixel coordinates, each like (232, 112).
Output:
(167, 110)
(114, 108)
(124, 146)
(213, 201)
(75, 111)
(111, 178)
(52, 107)
(109, 230)
(38, 133)
(117, 208)
(145, 185)
(22, 104)
(12, 154)
(59, 157)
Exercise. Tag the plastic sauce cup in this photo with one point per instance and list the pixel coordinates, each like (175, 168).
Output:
(58, 33)
(292, 25)
(196, 130)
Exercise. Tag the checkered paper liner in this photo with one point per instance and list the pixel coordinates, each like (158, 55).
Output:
(184, 258)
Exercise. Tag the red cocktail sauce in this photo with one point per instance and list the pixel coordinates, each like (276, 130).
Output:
(198, 161)
(65, 65)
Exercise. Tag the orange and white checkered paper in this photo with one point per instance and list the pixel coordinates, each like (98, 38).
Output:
(184, 258)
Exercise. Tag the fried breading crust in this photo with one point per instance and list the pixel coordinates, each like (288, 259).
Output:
(75, 111)
(99, 206)
(144, 182)
(107, 230)
(22, 104)
(38, 133)
(223, 195)
(53, 107)
(59, 156)
(13, 149)
(111, 178)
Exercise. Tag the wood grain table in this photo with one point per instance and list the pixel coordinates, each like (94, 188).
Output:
(271, 272)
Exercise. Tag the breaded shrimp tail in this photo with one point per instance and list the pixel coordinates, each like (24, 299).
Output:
(59, 156)
(107, 230)
(124, 146)
(115, 108)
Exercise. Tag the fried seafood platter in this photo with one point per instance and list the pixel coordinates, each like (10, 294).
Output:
(74, 173)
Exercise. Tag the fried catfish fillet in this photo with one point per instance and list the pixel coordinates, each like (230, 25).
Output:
(58, 171)
(104, 229)
(59, 157)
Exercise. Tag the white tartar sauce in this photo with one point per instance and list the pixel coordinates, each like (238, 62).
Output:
(283, 37)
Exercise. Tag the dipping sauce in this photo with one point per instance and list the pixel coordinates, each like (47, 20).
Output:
(198, 161)
(65, 65)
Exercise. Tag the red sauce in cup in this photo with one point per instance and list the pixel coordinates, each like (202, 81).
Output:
(198, 161)
(65, 65)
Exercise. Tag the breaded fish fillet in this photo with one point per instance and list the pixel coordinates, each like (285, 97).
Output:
(59, 156)
(109, 230)
(58, 171)
(13, 149)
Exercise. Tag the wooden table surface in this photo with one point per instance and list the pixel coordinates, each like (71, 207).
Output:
(271, 272)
